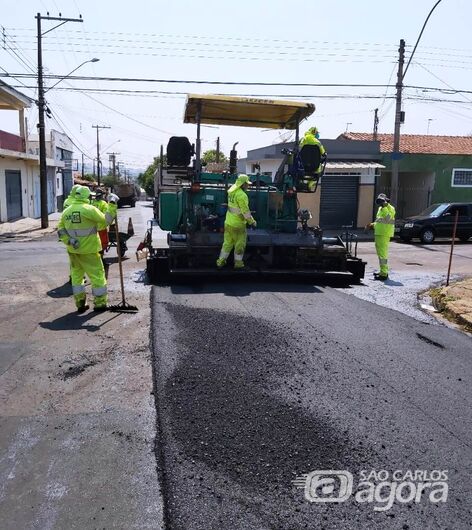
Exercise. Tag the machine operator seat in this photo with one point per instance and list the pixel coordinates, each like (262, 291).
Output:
(179, 151)
(311, 158)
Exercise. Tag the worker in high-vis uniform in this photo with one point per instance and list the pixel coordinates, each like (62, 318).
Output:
(238, 216)
(384, 230)
(70, 197)
(311, 137)
(78, 230)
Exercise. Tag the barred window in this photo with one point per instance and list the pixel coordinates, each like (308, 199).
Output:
(462, 178)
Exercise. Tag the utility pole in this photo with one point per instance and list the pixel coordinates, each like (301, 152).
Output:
(376, 125)
(113, 163)
(217, 157)
(83, 170)
(398, 120)
(98, 127)
(43, 175)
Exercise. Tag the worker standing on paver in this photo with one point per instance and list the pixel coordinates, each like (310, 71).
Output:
(311, 137)
(237, 218)
(384, 229)
(78, 230)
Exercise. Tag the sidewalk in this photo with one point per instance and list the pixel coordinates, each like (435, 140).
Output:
(27, 229)
(455, 302)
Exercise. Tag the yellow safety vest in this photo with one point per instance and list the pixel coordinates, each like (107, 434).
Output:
(238, 214)
(384, 224)
(81, 222)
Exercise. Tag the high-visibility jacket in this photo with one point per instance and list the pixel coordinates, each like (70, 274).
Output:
(238, 214)
(384, 224)
(100, 204)
(311, 139)
(81, 222)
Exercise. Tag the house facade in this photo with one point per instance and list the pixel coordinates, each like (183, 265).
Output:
(20, 194)
(345, 196)
(431, 169)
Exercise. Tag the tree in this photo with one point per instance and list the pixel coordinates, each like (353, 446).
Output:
(146, 179)
(210, 156)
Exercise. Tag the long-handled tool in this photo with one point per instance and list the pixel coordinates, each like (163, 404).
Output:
(122, 307)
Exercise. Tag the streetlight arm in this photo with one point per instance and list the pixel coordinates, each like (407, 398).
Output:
(94, 60)
(419, 37)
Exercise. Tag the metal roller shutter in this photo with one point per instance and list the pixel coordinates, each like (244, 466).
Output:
(339, 196)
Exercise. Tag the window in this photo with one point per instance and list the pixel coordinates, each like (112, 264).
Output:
(462, 209)
(461, 178)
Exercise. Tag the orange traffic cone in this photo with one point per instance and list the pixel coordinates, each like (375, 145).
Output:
(130, 228)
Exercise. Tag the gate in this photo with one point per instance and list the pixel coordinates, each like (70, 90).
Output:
(14, 197)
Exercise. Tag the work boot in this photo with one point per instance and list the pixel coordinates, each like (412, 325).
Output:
(380, 278)
(82, 308)
(220, 263)
(239, 265)
(100, 308)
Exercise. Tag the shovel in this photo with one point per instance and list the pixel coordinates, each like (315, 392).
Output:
(122, 307)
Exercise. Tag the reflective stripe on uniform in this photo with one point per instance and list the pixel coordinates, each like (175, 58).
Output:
(238, 257)
(236, 211)
(99, 291)
(383, 261)
(247, 215)
(109, 217)
(81, 232)
(77, 289)
(223, 254)
(62, 232)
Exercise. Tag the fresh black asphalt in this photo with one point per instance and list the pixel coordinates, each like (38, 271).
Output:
(259, 383)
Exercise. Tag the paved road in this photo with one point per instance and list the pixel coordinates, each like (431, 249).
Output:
(257, 384)
(77, 417)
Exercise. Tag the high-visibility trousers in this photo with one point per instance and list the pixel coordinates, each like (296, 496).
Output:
(381, 247)
(233, 238)
(92, 266)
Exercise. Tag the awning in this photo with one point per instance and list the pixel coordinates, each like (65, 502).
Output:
(246, 112)
(353, 165)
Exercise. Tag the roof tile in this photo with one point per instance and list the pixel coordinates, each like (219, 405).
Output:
(418, 143)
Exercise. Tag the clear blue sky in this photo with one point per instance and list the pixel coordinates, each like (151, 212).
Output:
(258, 41)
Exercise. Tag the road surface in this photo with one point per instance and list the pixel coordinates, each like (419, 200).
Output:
(260, 383)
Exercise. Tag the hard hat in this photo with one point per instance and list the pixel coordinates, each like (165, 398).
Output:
(241, 180)
(313, 130)
(99, 193)
(73, 189)
(382, 197)
(82, 193)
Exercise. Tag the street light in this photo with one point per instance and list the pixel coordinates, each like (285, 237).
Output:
(398, 114)
(94, 60)
(43, 179)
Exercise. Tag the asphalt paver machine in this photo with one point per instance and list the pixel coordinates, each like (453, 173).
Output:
(190, 203)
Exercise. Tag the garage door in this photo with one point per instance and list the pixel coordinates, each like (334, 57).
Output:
(13, 189)
(339, 196)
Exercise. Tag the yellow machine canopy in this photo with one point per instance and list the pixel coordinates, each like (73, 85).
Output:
(246, 112)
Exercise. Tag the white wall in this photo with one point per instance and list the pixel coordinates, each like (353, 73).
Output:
(26, 170)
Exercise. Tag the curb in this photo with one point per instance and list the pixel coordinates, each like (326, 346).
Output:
(445, 304)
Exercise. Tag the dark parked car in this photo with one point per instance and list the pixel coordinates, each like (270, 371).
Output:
(437, 221)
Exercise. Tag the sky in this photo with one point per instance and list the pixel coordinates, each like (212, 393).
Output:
(336, 42)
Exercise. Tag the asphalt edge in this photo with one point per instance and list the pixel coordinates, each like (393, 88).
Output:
(158, 440)
(440, 301)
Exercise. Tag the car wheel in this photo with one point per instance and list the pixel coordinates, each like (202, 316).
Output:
(427, 236)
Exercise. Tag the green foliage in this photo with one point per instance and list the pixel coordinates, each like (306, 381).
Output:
(146, 179)
(110, 181)
(210, 156)
(89, 177)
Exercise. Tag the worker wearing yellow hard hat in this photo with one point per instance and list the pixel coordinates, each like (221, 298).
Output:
(238, 216)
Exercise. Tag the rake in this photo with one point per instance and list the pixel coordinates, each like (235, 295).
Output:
(123, 306)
